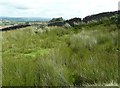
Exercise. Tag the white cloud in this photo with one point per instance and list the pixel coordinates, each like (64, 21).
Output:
(55, 8)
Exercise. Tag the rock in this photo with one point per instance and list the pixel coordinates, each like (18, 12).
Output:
(73, 21)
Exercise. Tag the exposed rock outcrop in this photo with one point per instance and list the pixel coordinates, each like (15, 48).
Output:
(56, 22)
(98, 17)
(60, 23)
(77, 21)
(73, 21)
(13, 27)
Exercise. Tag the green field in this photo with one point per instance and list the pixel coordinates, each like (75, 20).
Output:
(59, 56)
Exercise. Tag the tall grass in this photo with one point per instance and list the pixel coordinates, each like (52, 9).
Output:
(60, 56)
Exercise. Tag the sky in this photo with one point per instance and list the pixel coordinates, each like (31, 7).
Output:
(55, 8)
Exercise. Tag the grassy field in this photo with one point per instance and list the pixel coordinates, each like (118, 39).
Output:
(60, 56)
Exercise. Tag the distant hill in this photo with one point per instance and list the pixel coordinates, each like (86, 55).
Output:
(25, 19)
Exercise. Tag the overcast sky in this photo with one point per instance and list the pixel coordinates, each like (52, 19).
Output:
(55, 8)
